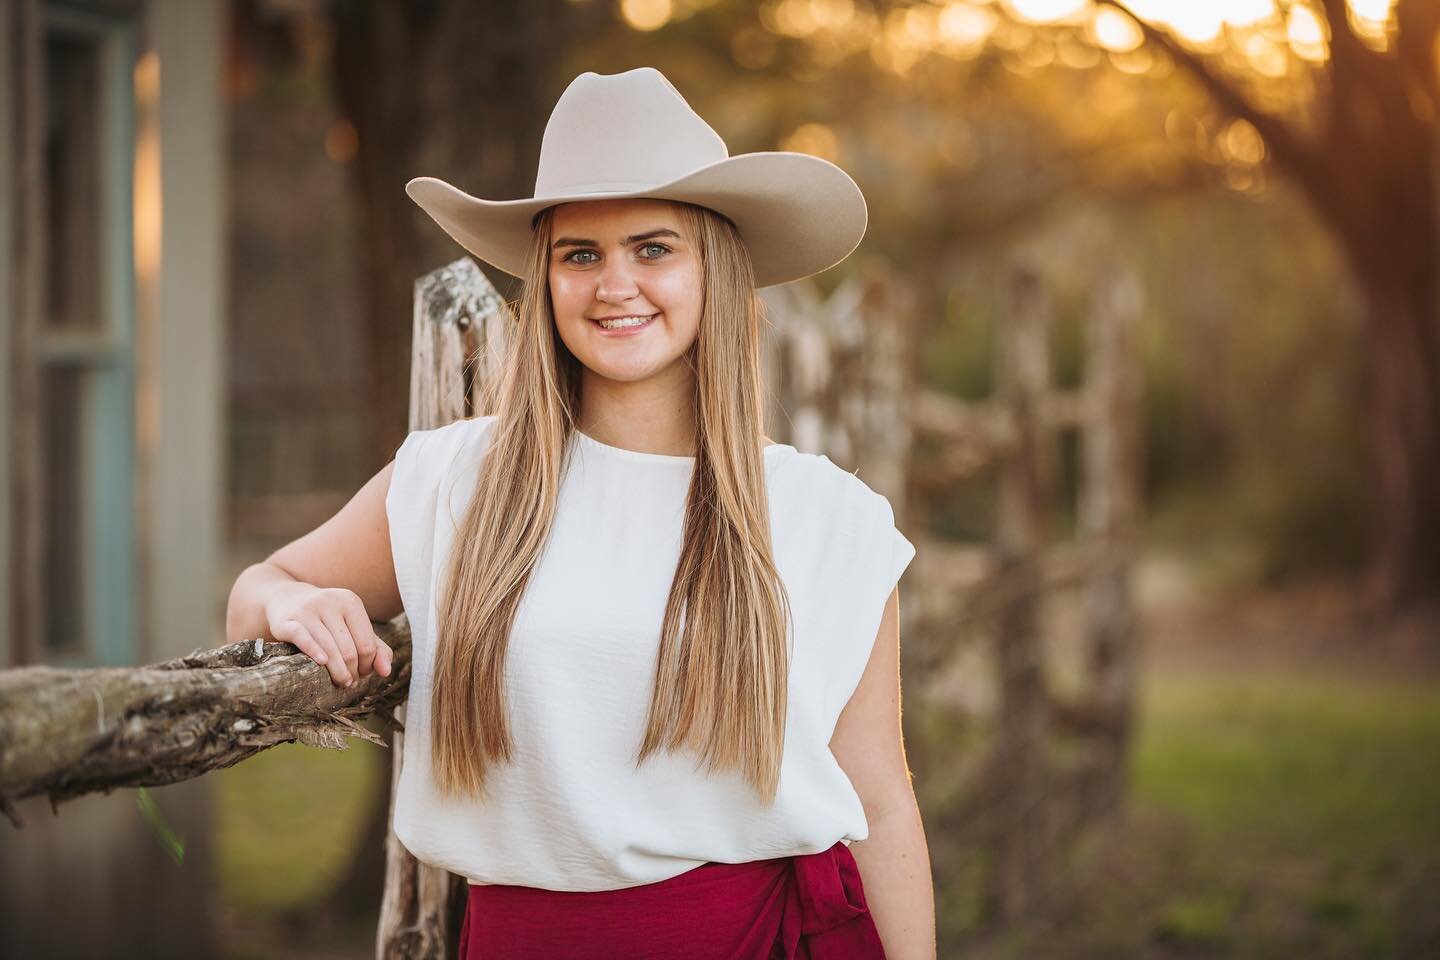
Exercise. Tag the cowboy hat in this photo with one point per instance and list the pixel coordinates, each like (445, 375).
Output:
(631, 134)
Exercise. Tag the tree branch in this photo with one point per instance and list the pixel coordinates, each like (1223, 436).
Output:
(70, 732)
(1302, 160)
(1417, 44)
(1289, 149)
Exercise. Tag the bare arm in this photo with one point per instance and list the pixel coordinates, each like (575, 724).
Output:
(894, 860)
(321, 591)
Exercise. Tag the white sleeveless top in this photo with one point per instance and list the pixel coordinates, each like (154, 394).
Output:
(572, 812)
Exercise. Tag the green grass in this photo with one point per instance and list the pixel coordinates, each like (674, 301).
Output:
(1310, 810)
(1332, 768)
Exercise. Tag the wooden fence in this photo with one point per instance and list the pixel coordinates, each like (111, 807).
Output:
(1027, 639)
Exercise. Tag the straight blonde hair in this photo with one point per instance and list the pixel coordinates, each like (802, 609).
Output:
(722, 670)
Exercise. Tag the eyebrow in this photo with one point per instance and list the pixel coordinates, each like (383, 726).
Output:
(636, 238)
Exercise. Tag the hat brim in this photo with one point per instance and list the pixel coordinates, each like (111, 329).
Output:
(798, 214)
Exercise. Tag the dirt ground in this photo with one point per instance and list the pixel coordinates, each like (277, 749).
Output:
(1319, 624)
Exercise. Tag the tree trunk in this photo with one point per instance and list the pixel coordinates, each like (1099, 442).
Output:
(1405, 449)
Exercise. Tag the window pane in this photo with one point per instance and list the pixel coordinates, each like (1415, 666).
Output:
(74, 220)
(62, 491)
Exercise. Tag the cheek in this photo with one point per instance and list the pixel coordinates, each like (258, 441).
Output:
(679, 295)
(565, 293)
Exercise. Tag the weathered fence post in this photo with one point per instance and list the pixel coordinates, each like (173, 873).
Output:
(459, 319)
(1108, 517)
(1023, 526)
(837, 374)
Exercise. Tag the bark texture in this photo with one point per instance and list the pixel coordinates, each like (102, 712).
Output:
(70, 732)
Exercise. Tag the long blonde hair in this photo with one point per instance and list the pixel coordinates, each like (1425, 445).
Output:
(723, 663)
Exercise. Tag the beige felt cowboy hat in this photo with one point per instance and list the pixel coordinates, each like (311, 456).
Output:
(631, 134)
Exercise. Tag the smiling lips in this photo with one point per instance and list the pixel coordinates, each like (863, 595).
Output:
(625, 323)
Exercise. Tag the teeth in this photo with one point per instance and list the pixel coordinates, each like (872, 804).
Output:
(623, 322)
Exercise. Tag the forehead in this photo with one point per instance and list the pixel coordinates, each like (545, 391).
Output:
(606, 218)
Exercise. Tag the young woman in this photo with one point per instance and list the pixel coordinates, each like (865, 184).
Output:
(654, 703)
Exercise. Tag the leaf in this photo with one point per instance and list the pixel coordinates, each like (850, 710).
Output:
(171, 844)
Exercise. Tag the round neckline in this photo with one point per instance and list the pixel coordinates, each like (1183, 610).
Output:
(628, 454)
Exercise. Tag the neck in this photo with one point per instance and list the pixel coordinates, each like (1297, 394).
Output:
(655, 415)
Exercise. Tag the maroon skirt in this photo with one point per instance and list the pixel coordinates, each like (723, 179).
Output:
(809, 907)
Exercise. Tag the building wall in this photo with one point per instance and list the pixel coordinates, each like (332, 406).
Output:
(92, 879)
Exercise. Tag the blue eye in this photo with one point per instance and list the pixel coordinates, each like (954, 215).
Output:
(570, 257)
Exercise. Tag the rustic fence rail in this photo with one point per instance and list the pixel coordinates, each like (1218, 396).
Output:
(64, 733)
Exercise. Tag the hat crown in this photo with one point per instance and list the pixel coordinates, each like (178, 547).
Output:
(616, 133)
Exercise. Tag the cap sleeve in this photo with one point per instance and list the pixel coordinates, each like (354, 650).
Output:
(882, 556)
(422, 463)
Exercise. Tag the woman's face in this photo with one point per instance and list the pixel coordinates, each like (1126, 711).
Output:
(630, 259)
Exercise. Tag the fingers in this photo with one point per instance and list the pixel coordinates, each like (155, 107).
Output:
(334, 622)
(313, 640)
(338, 636)
(291, 631)
(368, 648)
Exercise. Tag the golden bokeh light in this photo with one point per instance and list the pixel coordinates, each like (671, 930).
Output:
(1200, 23)
(1009, 35)
(1049, 11)
(892, 49)
(1135, 62)
(1306, 33)
(1244, 13)
(1371, 20)
(1039, 54)
(1263, 36)
(1186, 130)
(1372, 11)
(832, 14)
(1265, 56)
(646, 15)
(920, 23)
(1242, 143)
(816, 139)
(804, 18)
(1114, 30)
(1073, 52)
(964, 28)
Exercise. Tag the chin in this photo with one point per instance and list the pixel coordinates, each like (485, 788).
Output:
(626, 375)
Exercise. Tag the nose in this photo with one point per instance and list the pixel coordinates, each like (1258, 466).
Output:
(615, 283)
